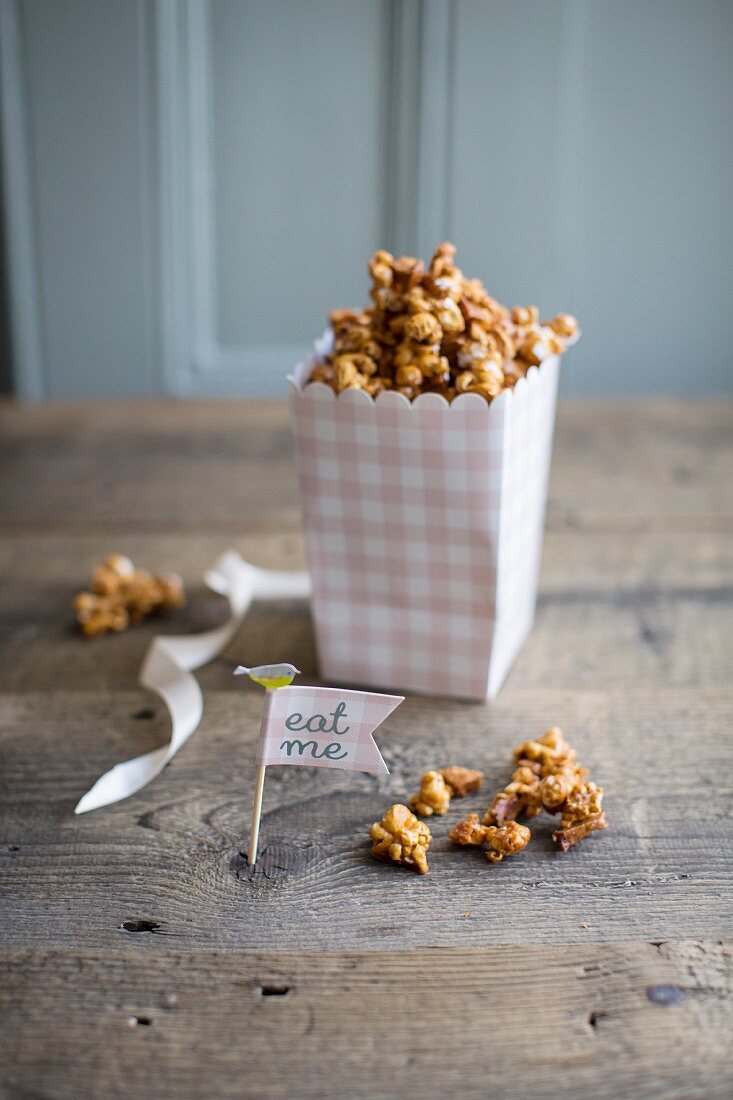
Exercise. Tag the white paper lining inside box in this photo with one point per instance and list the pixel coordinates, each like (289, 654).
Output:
(423, 524)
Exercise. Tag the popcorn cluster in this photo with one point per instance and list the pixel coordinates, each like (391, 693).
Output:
(582, 813)
(121, 594)
(500, 840)
(437, 789)
(400, 837)
(435, 331)
(547, 776)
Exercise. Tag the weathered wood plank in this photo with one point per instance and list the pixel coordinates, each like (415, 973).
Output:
(44, 566)
(612, 611)
(164, 465)
(624, 1021)
(631, 654)
(173, 853)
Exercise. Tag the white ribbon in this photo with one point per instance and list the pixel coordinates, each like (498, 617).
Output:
(167, 670)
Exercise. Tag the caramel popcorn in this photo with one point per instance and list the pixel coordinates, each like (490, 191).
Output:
(565, 325)
(548, 777)
(520, 796)
(506, 840)
(98, 614)
(438, 787)
(122, 594)
(523, 316)
(409, 376)
(423, 328)
(469, 831)
(433, 797)
(462, 781)
(402, 838)
(548, 749)
(435, 331)
(554, 791)
(501, 841)
(582, 814)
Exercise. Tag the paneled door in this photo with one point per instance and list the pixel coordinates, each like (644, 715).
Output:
(190, 185)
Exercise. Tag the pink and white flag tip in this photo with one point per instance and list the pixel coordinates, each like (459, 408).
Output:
(324, 727)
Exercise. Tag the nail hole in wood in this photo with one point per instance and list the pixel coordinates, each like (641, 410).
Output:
(665, 995)
(13, 847)
(140, 1021)
(138, 926)
(273, 989)
(595, 1017)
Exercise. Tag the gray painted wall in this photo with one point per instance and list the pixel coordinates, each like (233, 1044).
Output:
(191, 184)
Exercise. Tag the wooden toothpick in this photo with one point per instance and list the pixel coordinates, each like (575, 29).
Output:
(271, 677)
(254, 831)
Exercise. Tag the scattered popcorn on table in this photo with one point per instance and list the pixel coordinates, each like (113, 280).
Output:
(99, 614)
(438, 787)
(501, 841)
(506, 840)
(582, 814)
(435, 331)
(520, 796)
(121, 594)
(469, 832)
(546, 773)
(462, 781)
(402, 838)
(548, 777)
(434, 795)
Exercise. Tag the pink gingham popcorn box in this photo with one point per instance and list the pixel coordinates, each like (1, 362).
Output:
(423, 525)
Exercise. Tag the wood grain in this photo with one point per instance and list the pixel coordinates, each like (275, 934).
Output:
(613, 610)
(622, 1021)
(173, 853)
(161, 466)
(138, 941)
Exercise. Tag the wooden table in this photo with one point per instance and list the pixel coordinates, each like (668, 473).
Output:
(142, 957)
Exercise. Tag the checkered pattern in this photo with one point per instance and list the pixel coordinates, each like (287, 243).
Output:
(529, 428)
(360, 715)
(423, 527)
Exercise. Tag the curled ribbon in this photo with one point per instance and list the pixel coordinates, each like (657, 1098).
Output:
(168, 670)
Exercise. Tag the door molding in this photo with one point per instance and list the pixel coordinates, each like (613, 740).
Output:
(418, 77)
(20, 231)
(418, 69)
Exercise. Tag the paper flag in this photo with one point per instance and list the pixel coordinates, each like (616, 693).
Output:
(324, 728)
